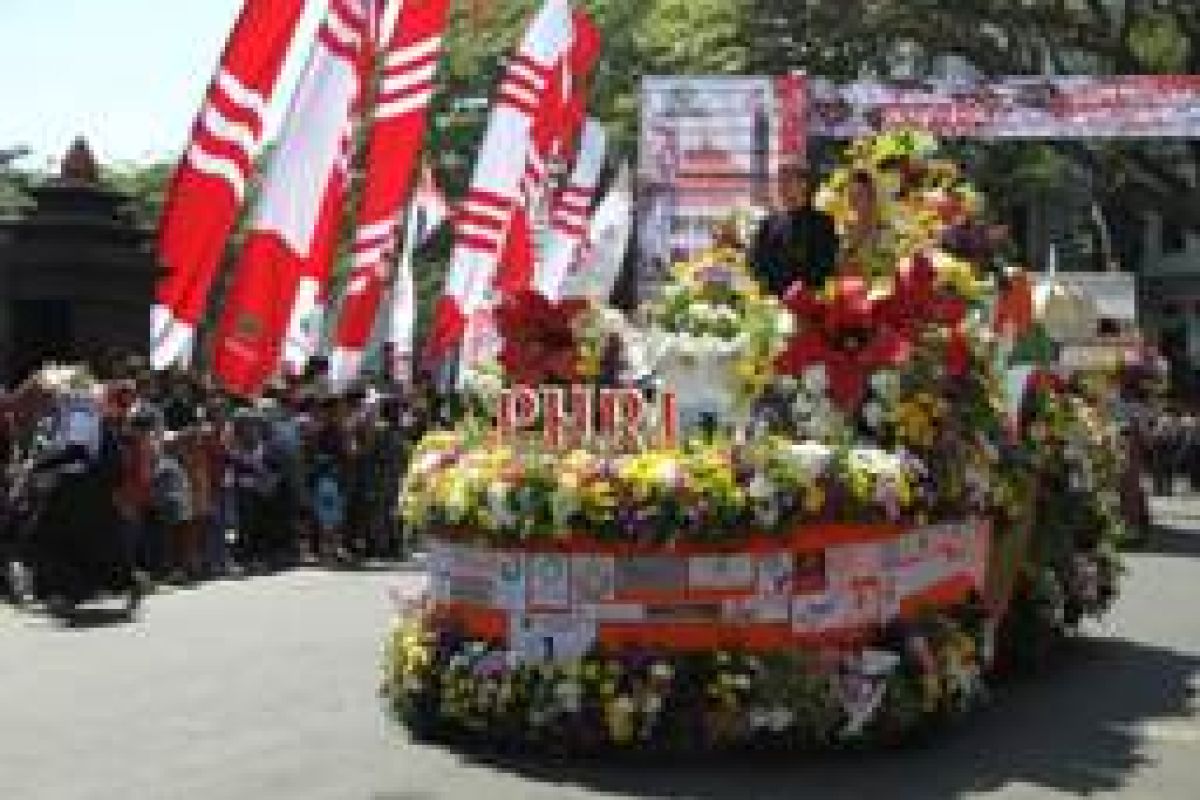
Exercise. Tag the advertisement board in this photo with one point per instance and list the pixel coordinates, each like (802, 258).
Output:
(709, 147)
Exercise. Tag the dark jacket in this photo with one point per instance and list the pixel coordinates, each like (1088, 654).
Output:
(794, 245)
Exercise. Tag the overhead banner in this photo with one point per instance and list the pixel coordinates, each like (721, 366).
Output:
(711, 146)
(1057, 107)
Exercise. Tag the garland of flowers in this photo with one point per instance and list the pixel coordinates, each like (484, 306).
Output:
(704, 492)
(1073, 566)
(713, 306)
(442, 684)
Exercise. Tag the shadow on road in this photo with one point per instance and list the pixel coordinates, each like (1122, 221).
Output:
(1078, 729)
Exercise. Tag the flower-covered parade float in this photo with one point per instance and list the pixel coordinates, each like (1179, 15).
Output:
(820, 521)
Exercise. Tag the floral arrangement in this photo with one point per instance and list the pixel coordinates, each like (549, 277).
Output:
(713, 308)
(541, 344)
(444, 685)
(1079, 526)
(704, 492)
(883, 398)
(923, 202)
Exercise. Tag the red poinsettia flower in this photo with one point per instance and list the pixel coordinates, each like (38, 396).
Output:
(848, 333)
(539, 338)
(916, 301)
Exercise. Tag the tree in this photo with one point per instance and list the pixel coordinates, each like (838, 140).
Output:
(144, 184)
(13, 182)
(850, 38)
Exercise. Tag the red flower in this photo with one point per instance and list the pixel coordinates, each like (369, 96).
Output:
(958, 354)
(915, 300)
(848, 333)
(1048, 382)
(539, 338)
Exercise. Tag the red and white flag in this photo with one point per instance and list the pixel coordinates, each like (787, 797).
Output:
(409, 65)
(561, 113)
(597, 264)
(553, 133)
(280, 281)
(427, 212)
(484, 216)
(570, 211)
(210, 183)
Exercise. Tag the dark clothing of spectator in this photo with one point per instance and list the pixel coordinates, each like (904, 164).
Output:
(78, 549)
(796, 245)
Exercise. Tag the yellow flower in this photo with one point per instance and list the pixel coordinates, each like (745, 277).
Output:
(814, 499)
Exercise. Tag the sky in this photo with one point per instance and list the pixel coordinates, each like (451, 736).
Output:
(129, 75)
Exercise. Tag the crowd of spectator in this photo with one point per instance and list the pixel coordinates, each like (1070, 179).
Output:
(194, 484)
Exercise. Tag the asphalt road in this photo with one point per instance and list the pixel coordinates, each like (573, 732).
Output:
(265, 688)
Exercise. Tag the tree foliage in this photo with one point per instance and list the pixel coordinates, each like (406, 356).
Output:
(144, 184)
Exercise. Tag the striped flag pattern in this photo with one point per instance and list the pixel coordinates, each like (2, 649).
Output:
(408, 67)
(279, 281)
(570, 212)
(210, 182)
(597, 264)
(482, 223)
(426, 213)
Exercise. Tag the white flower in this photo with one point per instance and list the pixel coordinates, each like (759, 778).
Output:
(783, 325)
(884, 384)
(876, 663)
(780, 719)
(810, 457)
(873, 415)
(623, 705)
(803, 406)
(761, 487)
(728, 315)
(662, 671)
(816, 380)
(425, 463)
(498, 505)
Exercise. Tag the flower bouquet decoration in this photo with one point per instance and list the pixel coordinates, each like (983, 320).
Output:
(541, 344)
(713, 335)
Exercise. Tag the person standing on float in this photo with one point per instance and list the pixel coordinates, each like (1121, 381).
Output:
(797, 242)
(862, 241)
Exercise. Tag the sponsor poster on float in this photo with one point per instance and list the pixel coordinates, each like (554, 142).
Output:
(819, 585)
